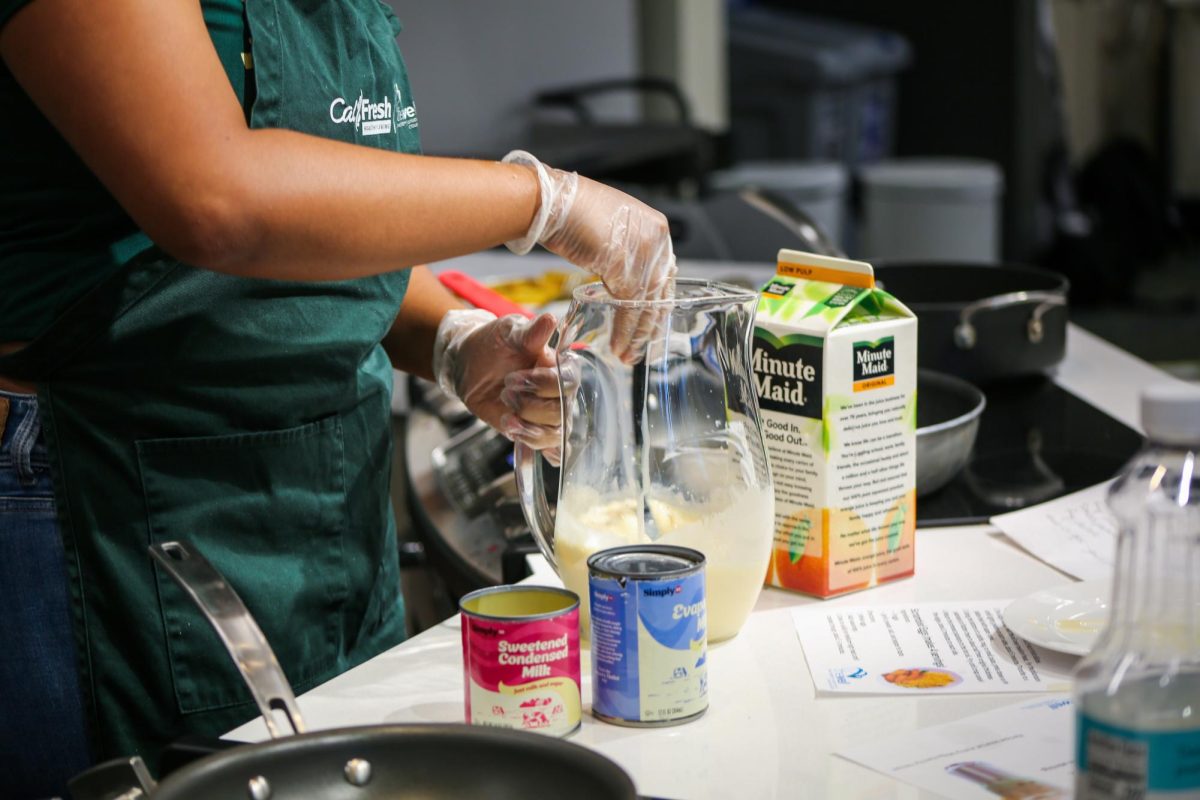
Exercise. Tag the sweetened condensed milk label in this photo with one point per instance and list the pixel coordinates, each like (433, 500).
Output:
(522, 673)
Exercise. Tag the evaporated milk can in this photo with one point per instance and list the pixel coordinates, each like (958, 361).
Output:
(521, 658)
(649, 635)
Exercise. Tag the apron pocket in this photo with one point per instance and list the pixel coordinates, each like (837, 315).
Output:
(269, 511)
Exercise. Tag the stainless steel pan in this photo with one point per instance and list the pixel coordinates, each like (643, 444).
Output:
(381, 761)
(948, 412)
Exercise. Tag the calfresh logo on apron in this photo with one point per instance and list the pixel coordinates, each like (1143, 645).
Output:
(374, 118)
(370, 118)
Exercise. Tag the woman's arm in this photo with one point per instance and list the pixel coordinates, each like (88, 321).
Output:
(136, 88)
(409, 344)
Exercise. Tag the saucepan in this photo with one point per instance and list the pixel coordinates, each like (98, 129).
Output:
(948, 412)
(968, 324)
(983, 322)
(379, 761)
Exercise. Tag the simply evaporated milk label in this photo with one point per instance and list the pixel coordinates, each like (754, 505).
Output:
(649, 648)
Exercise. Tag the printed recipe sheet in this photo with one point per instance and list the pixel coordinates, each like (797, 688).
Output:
(1020, 751)
(924, 648)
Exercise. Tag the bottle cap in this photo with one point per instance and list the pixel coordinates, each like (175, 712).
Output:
(1171, 412)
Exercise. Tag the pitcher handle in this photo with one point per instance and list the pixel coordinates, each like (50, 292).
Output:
(531, 489)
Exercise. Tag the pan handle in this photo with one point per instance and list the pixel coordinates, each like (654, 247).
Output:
(780, 209)
(119, 779)
(240, 634)
(965, 335)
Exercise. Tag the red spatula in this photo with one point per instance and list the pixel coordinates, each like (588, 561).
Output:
(479, 295)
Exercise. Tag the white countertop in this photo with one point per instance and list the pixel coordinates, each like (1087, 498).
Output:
(766, 734)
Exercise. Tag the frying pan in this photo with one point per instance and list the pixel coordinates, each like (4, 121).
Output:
(397, 762)
(948, 411)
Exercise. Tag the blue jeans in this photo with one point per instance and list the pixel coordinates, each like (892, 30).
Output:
(42, 736)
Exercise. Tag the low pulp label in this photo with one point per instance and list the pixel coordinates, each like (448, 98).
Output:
(523, 673)
(649, 648)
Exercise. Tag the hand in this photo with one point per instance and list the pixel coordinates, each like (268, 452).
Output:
(605, 231)
(610, 234)
(503, 372)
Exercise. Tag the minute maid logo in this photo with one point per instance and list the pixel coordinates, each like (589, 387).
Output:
(778, 288)
(787, 373)
(874, 364)
(374, 118)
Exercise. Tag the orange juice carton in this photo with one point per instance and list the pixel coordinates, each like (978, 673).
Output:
(835, 364)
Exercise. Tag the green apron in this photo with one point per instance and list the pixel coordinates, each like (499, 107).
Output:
(248, 417)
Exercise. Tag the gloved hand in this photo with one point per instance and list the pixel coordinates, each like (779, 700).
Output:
(618, 238)
(503, 372)
(623, 241)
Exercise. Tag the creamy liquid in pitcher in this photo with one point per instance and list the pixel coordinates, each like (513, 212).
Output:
(735, 538)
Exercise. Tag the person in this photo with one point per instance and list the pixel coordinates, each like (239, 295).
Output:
(214, 219)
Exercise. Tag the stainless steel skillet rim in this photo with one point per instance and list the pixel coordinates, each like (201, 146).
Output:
(253, 759)
(959, 383)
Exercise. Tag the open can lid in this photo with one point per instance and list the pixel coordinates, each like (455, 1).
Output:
(646, 561)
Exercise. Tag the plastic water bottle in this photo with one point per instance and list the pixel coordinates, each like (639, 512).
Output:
(1137, 694)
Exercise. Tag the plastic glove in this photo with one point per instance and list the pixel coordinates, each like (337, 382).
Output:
(601, 229)
(503, 372)
(618, 238)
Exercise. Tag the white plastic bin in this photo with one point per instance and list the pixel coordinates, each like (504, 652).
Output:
(816, 188)
(931, 209)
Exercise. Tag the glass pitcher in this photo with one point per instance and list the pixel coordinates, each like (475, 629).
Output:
(661, 442)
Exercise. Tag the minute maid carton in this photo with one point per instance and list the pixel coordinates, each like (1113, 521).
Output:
(835, 363)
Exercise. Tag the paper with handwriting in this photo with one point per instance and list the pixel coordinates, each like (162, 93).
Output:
(1075, 533)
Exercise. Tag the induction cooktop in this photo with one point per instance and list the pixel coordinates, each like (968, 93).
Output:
(1036, 441)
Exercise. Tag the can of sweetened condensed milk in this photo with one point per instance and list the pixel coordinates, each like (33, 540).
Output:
(521, 658)
(649, 635)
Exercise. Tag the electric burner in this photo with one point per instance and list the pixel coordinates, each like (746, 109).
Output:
(1036, 442)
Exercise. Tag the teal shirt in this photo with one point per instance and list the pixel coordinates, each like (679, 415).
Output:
(61, 232)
